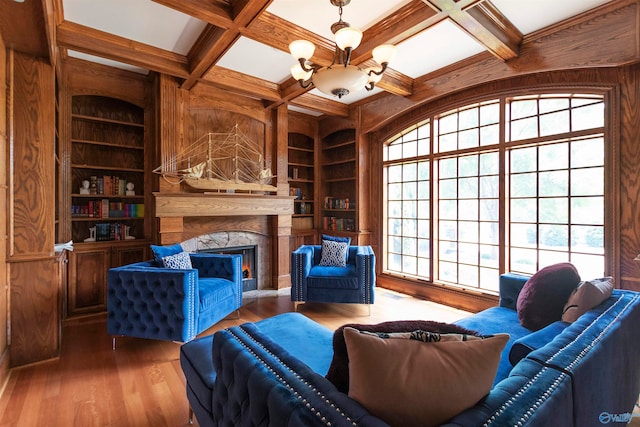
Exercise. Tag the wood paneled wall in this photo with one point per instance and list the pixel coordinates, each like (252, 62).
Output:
(33, 268)
(4, 280)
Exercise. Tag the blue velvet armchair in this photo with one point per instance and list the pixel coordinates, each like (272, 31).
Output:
(147, 301)
(312, 282)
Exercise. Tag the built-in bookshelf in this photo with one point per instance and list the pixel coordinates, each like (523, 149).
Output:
(301, 170)
(107, 169)
(339, 171)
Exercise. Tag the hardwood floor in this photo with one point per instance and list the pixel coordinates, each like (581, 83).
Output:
(141, 383)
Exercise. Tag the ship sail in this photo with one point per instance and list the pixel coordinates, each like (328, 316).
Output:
(221, 161)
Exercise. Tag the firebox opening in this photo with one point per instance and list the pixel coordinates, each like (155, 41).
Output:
(249, 264)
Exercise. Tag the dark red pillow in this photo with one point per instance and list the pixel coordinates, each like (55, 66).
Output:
(544, 295)
(338, 372)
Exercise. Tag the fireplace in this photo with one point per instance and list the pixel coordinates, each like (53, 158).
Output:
(249, 264)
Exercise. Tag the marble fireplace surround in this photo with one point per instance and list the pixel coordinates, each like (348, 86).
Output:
(231, 239)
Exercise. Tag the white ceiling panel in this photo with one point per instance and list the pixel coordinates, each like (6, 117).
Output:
(532, 15)
(141, 20)
(258, 60)
(426, 51)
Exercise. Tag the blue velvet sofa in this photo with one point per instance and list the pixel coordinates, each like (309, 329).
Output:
(272, 372)
(148, 301)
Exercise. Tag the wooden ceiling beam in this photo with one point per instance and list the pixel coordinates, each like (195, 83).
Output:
(242, 83)
(217, 13)
(320, 104)
(484, 22)
(95, 42)
(214, 41)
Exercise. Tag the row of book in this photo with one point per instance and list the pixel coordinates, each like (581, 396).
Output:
(303, 208)
(107, 209)
(338, 224)
(107, 185)
(111, 231)
(335, 203)
(296, 192)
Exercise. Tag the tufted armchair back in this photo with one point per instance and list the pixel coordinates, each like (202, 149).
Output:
(147, 301)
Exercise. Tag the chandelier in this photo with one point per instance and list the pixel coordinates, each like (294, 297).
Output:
(340, 78)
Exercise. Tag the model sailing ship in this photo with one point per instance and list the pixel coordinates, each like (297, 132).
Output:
(221, 162)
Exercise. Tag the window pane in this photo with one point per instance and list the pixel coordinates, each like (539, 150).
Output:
(489, 256)
(524, 260)
(524, 129)
(490, 114)
(523, 109)
(394, 191)
(468, 275)
(468, 188)
(588, 152)
(468, 138)
(489, 233)
(524, 210)
(524, 235)
(468, 231)
(409, 172)
(394, 151)
(409, 227)
(448, 209)
(554, 123)
(409, 190)
(468, 166)
(587, 182)
(553, 156)
(449, 188)
(448, 124)
(468, 119)
(409, 265)
(524, 159)
(395, 244)
(588, 117)
(554, 210)
(588, 239)
(489, 186)
(554, 236)
(553, 183)
(394, 209)
(489, 210)
(409, 246)
(448, 168)
(524, 185)
(553, 104)
(468, 209)
(587, 210)
(395, 226)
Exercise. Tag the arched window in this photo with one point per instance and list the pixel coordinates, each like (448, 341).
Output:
(509, 184)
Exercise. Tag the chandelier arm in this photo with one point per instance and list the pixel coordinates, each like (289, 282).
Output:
(303, 64)
(370, 86)
(303, 85)
(378, 73)
(347, 58)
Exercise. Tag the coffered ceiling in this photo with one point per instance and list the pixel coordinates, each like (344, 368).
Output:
(242, 45)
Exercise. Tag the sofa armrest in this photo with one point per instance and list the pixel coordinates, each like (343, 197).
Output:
(302, 260)
(366, 269)
(510, 286)
(152, 302)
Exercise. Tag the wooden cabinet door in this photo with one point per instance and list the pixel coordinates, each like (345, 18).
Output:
(88, 280)
(128, 255)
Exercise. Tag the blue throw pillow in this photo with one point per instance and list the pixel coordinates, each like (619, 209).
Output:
(180, 261)
(334, 254)
(160, 252)
(347, 240)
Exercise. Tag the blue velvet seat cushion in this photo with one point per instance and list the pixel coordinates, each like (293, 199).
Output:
(213, 290)
(333, 277)
(535, 340)
(497, 320)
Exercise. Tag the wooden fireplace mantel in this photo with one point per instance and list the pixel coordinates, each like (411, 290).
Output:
(204, 205)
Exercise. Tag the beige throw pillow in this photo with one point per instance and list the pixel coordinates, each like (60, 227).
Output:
(413, 383)
(587, 295)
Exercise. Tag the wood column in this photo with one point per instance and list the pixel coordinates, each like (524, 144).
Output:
(281, 227)
(33, 269)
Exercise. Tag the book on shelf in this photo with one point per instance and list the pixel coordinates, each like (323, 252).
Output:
(105, 208)
(336, 203)
(108, 185)
(338, 224)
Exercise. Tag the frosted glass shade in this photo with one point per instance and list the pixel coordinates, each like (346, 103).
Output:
(348, 38)
(299, 74)
(340, 80)
(301, 49)
(384, 53)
